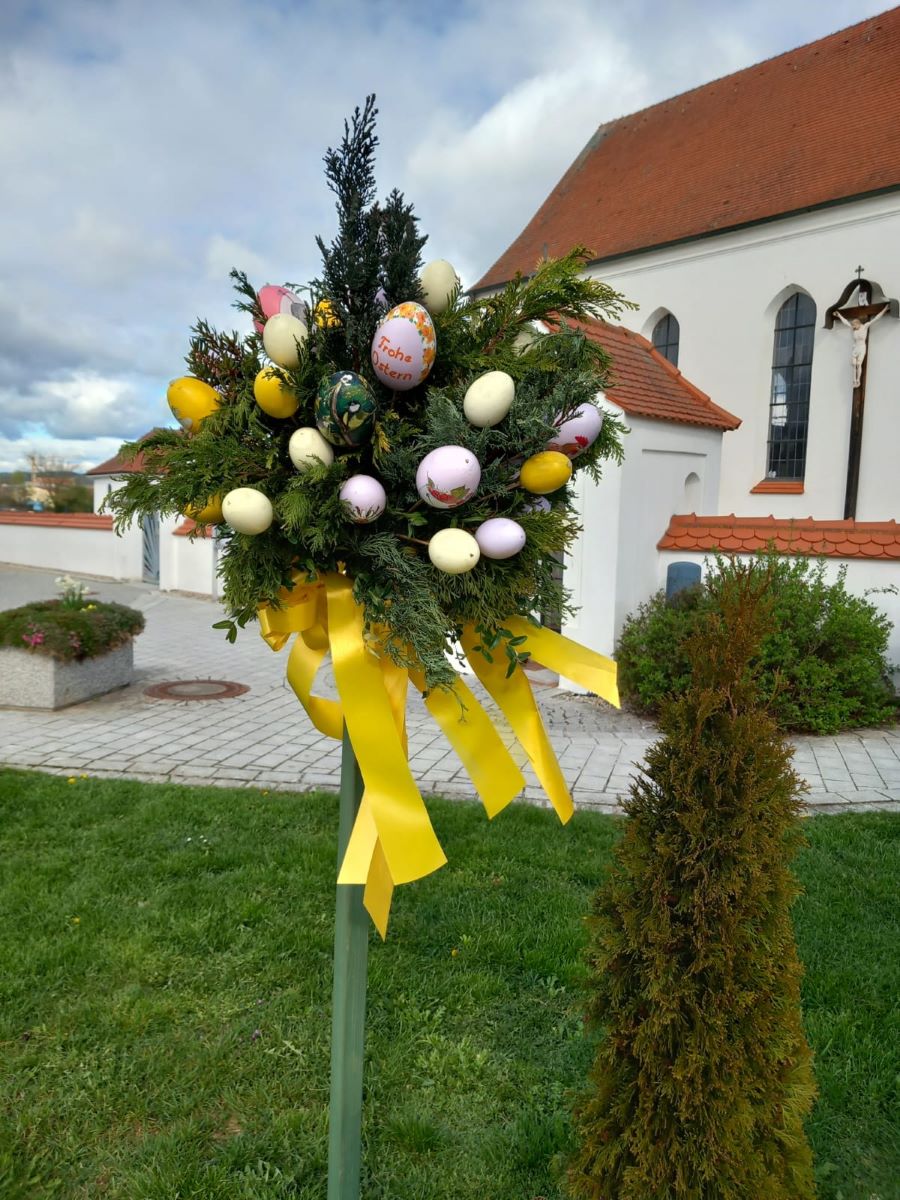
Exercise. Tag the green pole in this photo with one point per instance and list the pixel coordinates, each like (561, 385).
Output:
(348, 1014)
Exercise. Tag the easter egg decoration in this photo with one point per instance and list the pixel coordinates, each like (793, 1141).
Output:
(364, 498)
(489, 399)
(247, 510)
(282, 337)
(579, 432)
(545, 472)
(345, 409)
(273, 395)
(325, 316)
(500, 537)
(540, 504)
(453, 551)
(404, 347)
(191, 401)
(274, 299)
(448, 477)
(209, 513)
(438, 281)
(307, 447)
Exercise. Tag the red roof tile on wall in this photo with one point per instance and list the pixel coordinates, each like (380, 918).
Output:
(189, 526)
(645, 384)
(58, 520)
(817, 124)
(746, 535)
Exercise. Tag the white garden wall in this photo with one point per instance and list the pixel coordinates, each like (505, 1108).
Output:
(70, 542)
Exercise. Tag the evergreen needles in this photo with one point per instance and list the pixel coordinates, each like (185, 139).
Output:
(703, 1075)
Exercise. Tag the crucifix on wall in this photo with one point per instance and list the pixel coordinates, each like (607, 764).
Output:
(870, 305)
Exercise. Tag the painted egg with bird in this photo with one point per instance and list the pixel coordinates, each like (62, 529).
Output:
(345, 409)
(578, 433)
(274, 299)
(404, 347)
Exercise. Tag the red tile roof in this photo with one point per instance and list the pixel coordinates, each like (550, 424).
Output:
(814, 125)
(122, 466)
(59, 520)
(189, 525)
(645, 384)
(744, 535)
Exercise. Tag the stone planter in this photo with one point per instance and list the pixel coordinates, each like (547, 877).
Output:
(29, 680)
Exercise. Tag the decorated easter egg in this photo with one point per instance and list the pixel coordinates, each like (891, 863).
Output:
(453, 551)
(489, 398)
(280, 337)
(577, 433)
(325, 316)
(545, 472)
(364, 498)
(499, 537)
(274, 299)
(404, 347)
(307, 447)
(273, 395)
(247, 510)
(209, 513)
(191, 401)
(540, 504)
(345, 409)
(448, 476)
(439, 280)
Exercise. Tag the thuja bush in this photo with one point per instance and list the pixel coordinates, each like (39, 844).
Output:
(69, 633)
(703, 1076)
(823, 661)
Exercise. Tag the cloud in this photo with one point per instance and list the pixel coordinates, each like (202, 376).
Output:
(147, 149)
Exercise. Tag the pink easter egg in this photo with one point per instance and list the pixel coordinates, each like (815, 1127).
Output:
(448, 476)
(274, 299)
(404, 347)
(364, 498)
(579, 432)
(500, 537)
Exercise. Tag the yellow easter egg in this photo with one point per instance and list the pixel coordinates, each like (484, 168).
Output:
(325, 316)
(191, 401)
(209, 513)
(545, 472)
(273, 396)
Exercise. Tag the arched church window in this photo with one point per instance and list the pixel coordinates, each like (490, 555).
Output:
(665, 336)
(795, 327)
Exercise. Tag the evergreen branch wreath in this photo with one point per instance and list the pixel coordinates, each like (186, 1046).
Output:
(381, 428)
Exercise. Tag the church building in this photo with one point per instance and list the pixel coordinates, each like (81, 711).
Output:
(755, 221)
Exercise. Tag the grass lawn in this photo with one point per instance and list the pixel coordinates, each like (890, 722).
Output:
(165, 967)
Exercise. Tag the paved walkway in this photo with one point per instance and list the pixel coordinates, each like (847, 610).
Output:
(263, 738)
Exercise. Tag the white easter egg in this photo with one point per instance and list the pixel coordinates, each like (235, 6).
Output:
(281, 334)
(578, 433)
(500, 537)
(448, 476)
(453, 551)
(489, 398)
(404, 347)
(307, 446)
(364, 498)
(247, 510)
(439, 280)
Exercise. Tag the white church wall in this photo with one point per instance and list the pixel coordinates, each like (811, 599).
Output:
(725, 291)
(186, 565)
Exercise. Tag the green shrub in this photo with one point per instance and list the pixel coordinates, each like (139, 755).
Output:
(68, 633)
(703, 1077)
(823, 663)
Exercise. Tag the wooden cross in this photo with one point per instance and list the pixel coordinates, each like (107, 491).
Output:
(873, 303)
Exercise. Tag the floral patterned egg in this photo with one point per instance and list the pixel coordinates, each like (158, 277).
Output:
(448, 476)
(273, 299)
(345, 409)
(578, 433)
(364, 498)
(404, 347)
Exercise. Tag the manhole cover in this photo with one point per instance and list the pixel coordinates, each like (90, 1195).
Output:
(196, 689)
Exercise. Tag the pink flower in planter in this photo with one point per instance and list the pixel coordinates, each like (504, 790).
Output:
(34, 637)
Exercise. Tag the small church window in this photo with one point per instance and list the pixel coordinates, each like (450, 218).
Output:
(792, 354)
(665, 338)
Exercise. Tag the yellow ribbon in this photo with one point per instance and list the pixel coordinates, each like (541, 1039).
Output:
(392, 840)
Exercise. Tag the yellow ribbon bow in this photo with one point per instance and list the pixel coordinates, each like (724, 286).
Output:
(393, 840)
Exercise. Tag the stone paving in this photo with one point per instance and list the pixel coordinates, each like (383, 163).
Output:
(263, 739)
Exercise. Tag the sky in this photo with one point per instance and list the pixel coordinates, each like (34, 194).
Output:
(147, 148)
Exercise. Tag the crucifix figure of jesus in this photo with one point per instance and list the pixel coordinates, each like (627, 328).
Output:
(859, 331)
